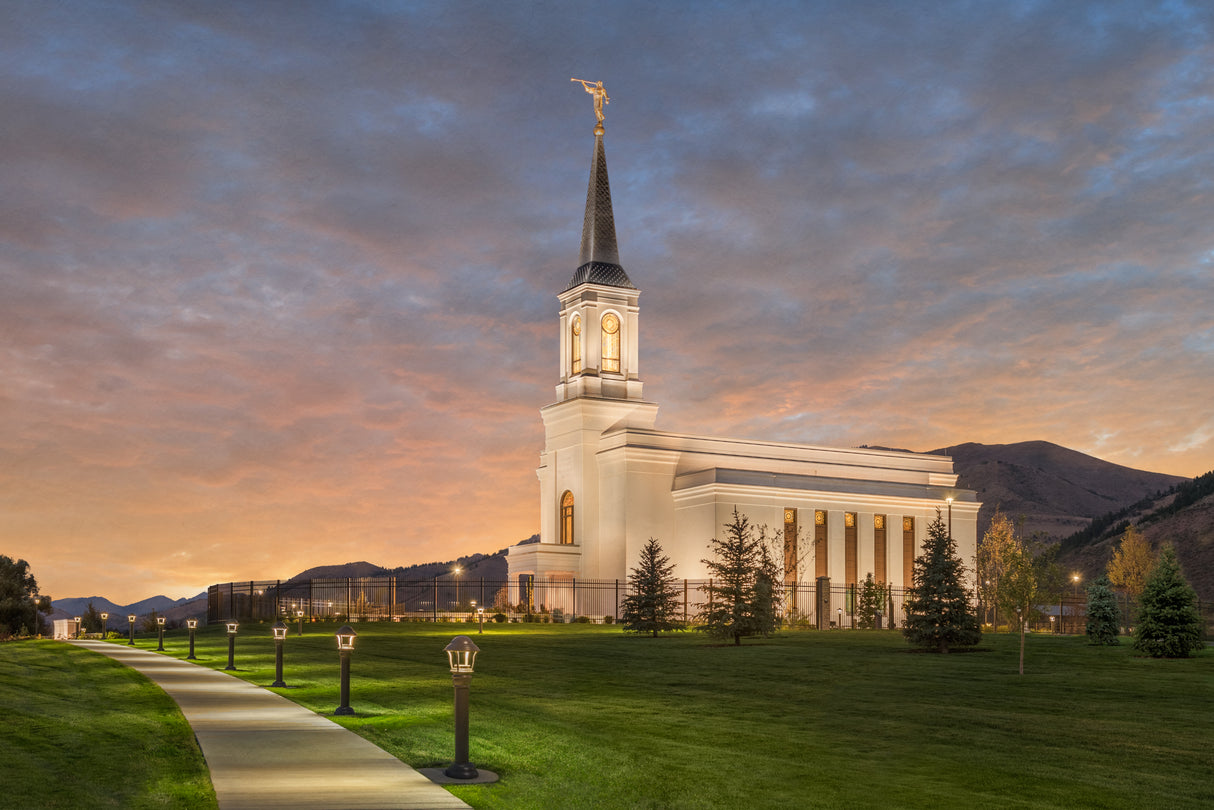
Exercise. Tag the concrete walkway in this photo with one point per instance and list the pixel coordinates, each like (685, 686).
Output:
(266, 752)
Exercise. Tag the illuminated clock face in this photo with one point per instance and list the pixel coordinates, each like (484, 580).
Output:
(789, 516)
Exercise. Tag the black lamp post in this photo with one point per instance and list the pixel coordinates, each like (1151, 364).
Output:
(280, 635)
(131, 620)
(461, 655)
(345, 645)
(160, 627)
(480, 615)
(193, 625)
(300, 615)
(77, 626)
(105, 620)
(232, 627)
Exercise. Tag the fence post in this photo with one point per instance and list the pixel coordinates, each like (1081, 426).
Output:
(434, 612)
(684, 600)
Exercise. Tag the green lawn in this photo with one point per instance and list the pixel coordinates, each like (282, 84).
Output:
(584, 716)
(82, 731)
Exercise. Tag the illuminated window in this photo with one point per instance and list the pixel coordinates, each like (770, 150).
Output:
(567, 518)
(611, 342)
(576, 344)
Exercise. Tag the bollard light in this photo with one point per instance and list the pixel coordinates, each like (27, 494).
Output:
(461, 657)
(105, 620)
(280, 635)
(300, 615)
(193, 625)
(160, 627)
(345, 645)
(232, 628)
(480, 615)
(839, 624)
(131, 619)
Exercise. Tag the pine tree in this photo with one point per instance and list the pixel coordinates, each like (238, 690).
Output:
(872, 602)
(653, 605)
(735, 598)
(1169, 625)
(1103, 619)
(938, 608)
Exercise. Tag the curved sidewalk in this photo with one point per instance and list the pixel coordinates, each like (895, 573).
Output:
(264, 751)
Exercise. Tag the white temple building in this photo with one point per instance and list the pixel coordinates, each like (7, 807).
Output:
(609, 480)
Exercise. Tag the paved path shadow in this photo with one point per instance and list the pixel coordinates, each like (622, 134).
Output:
(264, 751)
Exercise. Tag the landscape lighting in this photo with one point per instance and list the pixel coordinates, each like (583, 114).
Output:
(461, 657)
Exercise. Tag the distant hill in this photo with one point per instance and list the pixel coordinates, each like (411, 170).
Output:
(170, 608)
(1058, 491)
(1182, 516)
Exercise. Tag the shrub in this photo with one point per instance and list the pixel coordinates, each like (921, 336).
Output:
(582, 620)
(609, 620)
(499, 617)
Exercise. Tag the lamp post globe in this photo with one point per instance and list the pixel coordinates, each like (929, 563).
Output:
(461, 658)
(345, 645)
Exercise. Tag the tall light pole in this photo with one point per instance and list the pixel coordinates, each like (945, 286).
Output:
(160, 627)
(949, 501)
(131, 619)
(193, 625)
(457, 572)
(1075, 604)
(77, 627)
(105, 620)
(300, 614)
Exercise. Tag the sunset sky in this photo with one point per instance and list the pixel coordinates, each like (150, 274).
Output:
(278, 279)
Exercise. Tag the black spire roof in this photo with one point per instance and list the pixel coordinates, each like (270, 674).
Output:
(599, 262)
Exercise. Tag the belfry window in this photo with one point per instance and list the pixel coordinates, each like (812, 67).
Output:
(575, 345)
(611, 342)
(567, 518)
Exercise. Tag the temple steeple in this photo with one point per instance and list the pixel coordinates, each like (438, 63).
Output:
(599, 318)
(599, 262)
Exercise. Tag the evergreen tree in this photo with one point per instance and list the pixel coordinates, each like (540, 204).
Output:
(738, 605)
(1103, 619)
(768, 590)
(653, 605)
(1169, 625)
(872, 602)
(938, 610)
(91, 619)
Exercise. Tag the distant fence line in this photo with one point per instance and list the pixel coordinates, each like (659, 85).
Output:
(528, 597)
(393, 599)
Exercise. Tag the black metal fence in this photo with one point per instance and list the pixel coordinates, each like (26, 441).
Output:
(523, 599)
(527, 598)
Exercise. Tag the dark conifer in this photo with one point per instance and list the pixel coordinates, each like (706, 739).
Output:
(1103, 618)
(653, 604)
(938, 609)
(1169, 625)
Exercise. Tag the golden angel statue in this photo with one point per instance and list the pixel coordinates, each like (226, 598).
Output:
(600, 96)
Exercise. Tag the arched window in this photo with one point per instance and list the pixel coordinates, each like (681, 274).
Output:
(567, 518)
(575, 345)
(611, 342)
